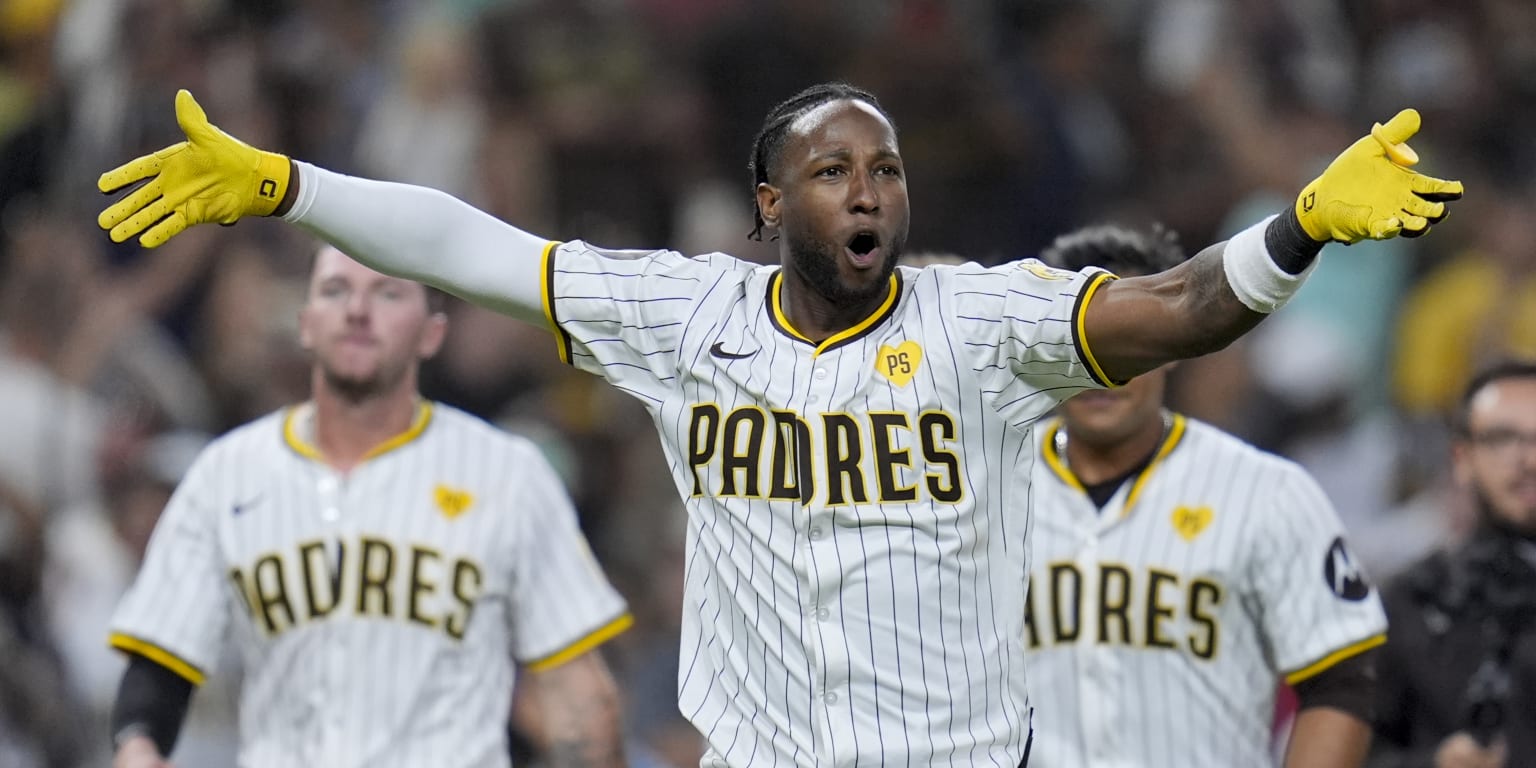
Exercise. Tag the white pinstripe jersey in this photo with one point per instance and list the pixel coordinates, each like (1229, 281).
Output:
(852, 587)
(1163, 623)
(378, 613)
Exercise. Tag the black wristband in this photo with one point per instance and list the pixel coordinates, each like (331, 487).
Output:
(151, 701)
(1289, 245)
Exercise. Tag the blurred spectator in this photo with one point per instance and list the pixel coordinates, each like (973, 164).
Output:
(426, 124)
(1478, 306)
(94, 550)
(51, 423)
(1458, 676)
(1071, 145)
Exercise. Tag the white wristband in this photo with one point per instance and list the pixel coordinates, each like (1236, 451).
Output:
(1257, 280)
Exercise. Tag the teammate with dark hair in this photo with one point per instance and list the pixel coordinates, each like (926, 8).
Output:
(1180, 575)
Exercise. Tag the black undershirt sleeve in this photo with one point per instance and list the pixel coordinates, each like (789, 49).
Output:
(152, 700)
(1349, 685)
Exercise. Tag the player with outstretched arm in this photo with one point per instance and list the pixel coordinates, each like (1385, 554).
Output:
(842, 430)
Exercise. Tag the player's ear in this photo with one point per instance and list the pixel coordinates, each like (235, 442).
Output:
(432, 335)
(768, 197)
(306, 336)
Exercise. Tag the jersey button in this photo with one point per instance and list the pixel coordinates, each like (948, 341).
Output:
(330, 514)
(812, 399)
(817, 533)
(821, 373)
(830, 697)
(823, 613)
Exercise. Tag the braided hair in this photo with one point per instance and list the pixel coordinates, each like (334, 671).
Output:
(775, 131)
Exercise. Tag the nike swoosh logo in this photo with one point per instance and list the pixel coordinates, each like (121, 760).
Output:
(245, 505)
(718, 351)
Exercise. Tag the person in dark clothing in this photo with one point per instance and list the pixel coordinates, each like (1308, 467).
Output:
(1458, 675)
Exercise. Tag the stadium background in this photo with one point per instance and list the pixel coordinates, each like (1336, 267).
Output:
(627, 122)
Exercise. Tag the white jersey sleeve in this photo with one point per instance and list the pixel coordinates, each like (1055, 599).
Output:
(622, 314)
(180, 603)
(1022, 325)
(1318, 606)
(562, 603)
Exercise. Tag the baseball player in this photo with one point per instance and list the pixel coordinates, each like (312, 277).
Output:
(841, 430)
(379, 561)
(1178, 575)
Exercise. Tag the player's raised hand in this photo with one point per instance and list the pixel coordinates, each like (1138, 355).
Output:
(1370, 191)
(210, 177)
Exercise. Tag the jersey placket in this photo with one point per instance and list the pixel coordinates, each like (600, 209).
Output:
(331, 495)
(828, 638)
(1099, 668)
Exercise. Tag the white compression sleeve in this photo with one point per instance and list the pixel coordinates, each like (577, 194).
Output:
(425, 235)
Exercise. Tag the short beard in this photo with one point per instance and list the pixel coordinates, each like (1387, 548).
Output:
(357, 391)
(1490, 516)
(817, 264)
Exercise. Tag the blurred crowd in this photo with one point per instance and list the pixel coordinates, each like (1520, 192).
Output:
(628, 123)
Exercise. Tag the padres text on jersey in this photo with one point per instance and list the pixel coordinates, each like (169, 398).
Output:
(1163, 622)
(377, 613)
(856, 521)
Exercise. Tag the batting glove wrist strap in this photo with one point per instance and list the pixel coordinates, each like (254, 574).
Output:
(1371, 192)
(1257, 280)
(210, 177)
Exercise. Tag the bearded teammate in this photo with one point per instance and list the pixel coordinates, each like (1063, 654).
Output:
(378, 560)
(839, 428)
(1178, 575)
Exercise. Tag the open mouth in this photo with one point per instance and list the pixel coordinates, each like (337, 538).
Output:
(864, 248)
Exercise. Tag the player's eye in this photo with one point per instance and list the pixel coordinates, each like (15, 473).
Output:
(888, 170)
(835, 170)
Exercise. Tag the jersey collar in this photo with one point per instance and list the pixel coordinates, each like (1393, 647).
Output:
(1058, 464)
(841, 338)
(299, 432)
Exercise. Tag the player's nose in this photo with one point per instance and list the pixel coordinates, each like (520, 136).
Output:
(357, 305)
(863, 197)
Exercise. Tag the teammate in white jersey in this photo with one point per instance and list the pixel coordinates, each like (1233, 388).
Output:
(378, 560)
(843, 432)
(1178, 575)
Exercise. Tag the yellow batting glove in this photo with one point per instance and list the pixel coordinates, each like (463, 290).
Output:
(210, 177)
(1371, 192)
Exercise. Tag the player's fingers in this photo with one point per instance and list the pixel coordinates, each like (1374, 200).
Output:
(168, 228)
(1391, 136)
(1428, 209)
(122, 209)
(131, 171)
(1382, 229)
(1411, 225)
(1431, 188)
(192, 119)
(141, 220)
